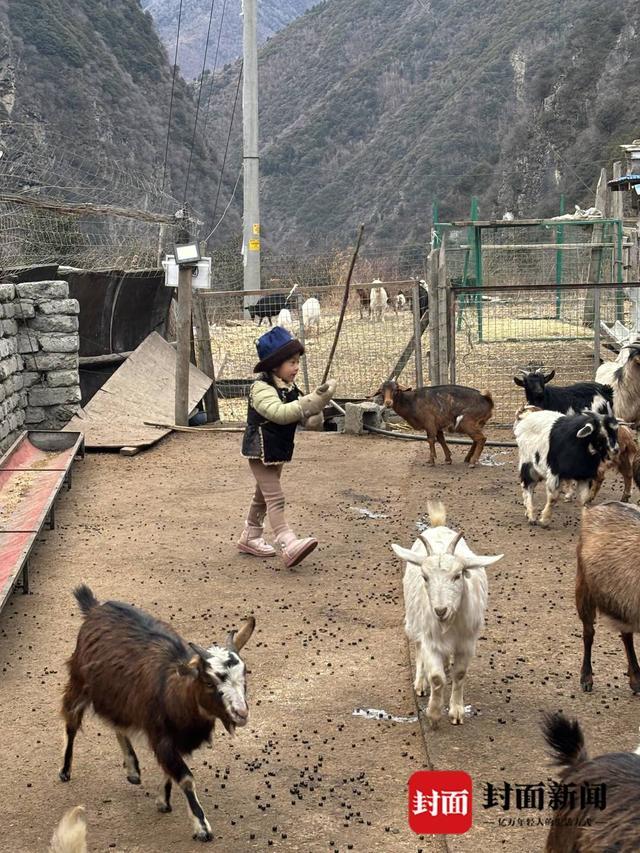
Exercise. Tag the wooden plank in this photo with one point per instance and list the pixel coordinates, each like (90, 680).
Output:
(143, 388)
(595, 258)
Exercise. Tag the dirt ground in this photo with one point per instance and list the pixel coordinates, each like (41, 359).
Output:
(158, 530)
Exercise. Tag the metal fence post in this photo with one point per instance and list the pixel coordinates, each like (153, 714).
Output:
(434, 348)
(417, 334)
(596, 330)
(303, 359)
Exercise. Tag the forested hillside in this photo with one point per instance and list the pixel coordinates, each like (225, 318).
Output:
(82, 81)
(273, 15)
(373, 109)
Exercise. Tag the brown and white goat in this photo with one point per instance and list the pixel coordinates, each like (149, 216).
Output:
(608, 580)
(454, 408)
(142, 677)
(624, 377)
(600, 826)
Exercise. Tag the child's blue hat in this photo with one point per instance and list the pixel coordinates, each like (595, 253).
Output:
(274, 347)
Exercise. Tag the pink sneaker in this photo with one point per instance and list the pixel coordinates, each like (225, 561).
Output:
(256, 545)
(295, 551)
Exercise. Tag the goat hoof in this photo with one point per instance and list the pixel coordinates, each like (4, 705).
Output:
(64, 776)
(625, 499)
(447, 462)
(133, 779)
(587, 686)
(203, 835)
(163, 807)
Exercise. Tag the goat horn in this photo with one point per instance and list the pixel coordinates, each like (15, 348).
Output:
(199, 650)
(426, 543)
(452, 545)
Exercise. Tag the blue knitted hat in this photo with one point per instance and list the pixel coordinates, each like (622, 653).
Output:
(274, 347)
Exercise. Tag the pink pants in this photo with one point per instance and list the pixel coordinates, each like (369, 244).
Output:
(268, 498)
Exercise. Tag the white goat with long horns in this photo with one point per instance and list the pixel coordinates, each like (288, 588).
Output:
(445, 596)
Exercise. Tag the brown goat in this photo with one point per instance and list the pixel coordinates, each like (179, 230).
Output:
(608, 580)
(141, 676)
(454, 408)
(626, 461)
(364, 297)
(594, 827)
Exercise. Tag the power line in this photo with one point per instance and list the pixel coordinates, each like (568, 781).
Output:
(195, 124)
(224, 213)
(215, 63)
(173, 84)
(226, 150)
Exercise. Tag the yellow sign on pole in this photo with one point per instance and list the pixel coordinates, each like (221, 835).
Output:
(254, 245)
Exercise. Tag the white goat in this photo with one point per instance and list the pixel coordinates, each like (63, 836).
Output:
(445, 596)
(311, 315)
(71, 833)
(284, 319)
(378, 303)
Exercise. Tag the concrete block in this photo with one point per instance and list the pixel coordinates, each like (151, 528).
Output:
(51, 361)
(7, 292)
(58, 342)
(53, 323)
(9, 328)
(60, 306)
(29, 378)
(34, 415)
(62, 378)
(27, 342)
(359, 415)
(10, 365)
(7, 347)
(23, 309)
(53, 396)
(42, 291)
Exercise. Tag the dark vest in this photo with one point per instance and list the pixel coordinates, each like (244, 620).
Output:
(273, 443)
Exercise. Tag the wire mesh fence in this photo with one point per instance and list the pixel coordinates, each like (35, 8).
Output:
(369, 350)
(541, 326)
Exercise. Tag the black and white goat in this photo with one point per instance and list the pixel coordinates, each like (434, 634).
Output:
(554, 447)
(567, 399)
(141, 676)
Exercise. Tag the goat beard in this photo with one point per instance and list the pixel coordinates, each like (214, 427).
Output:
(229, 726)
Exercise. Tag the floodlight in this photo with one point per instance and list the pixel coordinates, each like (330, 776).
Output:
(187, 254)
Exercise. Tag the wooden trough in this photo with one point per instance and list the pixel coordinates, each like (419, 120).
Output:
(32, 472)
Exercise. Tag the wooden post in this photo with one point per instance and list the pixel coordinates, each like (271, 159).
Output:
(205, 356)
(617, 213)
(417, 333)
(443, 318)
(183, 333)
(595, 259)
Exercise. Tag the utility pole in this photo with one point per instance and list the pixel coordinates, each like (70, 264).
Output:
(251, 161)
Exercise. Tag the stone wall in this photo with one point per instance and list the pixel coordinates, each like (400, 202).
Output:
(39, 343)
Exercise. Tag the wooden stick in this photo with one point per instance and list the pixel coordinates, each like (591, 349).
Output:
(345, 299)
(180, 428)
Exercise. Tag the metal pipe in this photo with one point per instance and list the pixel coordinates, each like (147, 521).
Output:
(405, 437)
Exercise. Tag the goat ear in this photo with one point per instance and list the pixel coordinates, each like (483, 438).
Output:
(478, 562)
(547, 377)
(407, 388)
(585, 431)
(192, 667)
(519, 381)
(235, 641)
(407, 555)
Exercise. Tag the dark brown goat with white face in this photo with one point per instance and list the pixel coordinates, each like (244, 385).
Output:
(141, 677)
(442, 407)
(592, 827)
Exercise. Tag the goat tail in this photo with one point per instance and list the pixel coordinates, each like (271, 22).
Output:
(71, 833)
(437, 513)
(565, 739)
(85, 598)
(488, 396)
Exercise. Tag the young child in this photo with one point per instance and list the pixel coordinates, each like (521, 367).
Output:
(275, 408)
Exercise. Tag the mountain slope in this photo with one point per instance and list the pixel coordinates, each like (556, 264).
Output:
(273, 15)
(373, 109)
(87, 82)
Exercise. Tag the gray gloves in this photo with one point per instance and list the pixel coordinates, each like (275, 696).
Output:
(314, 403)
